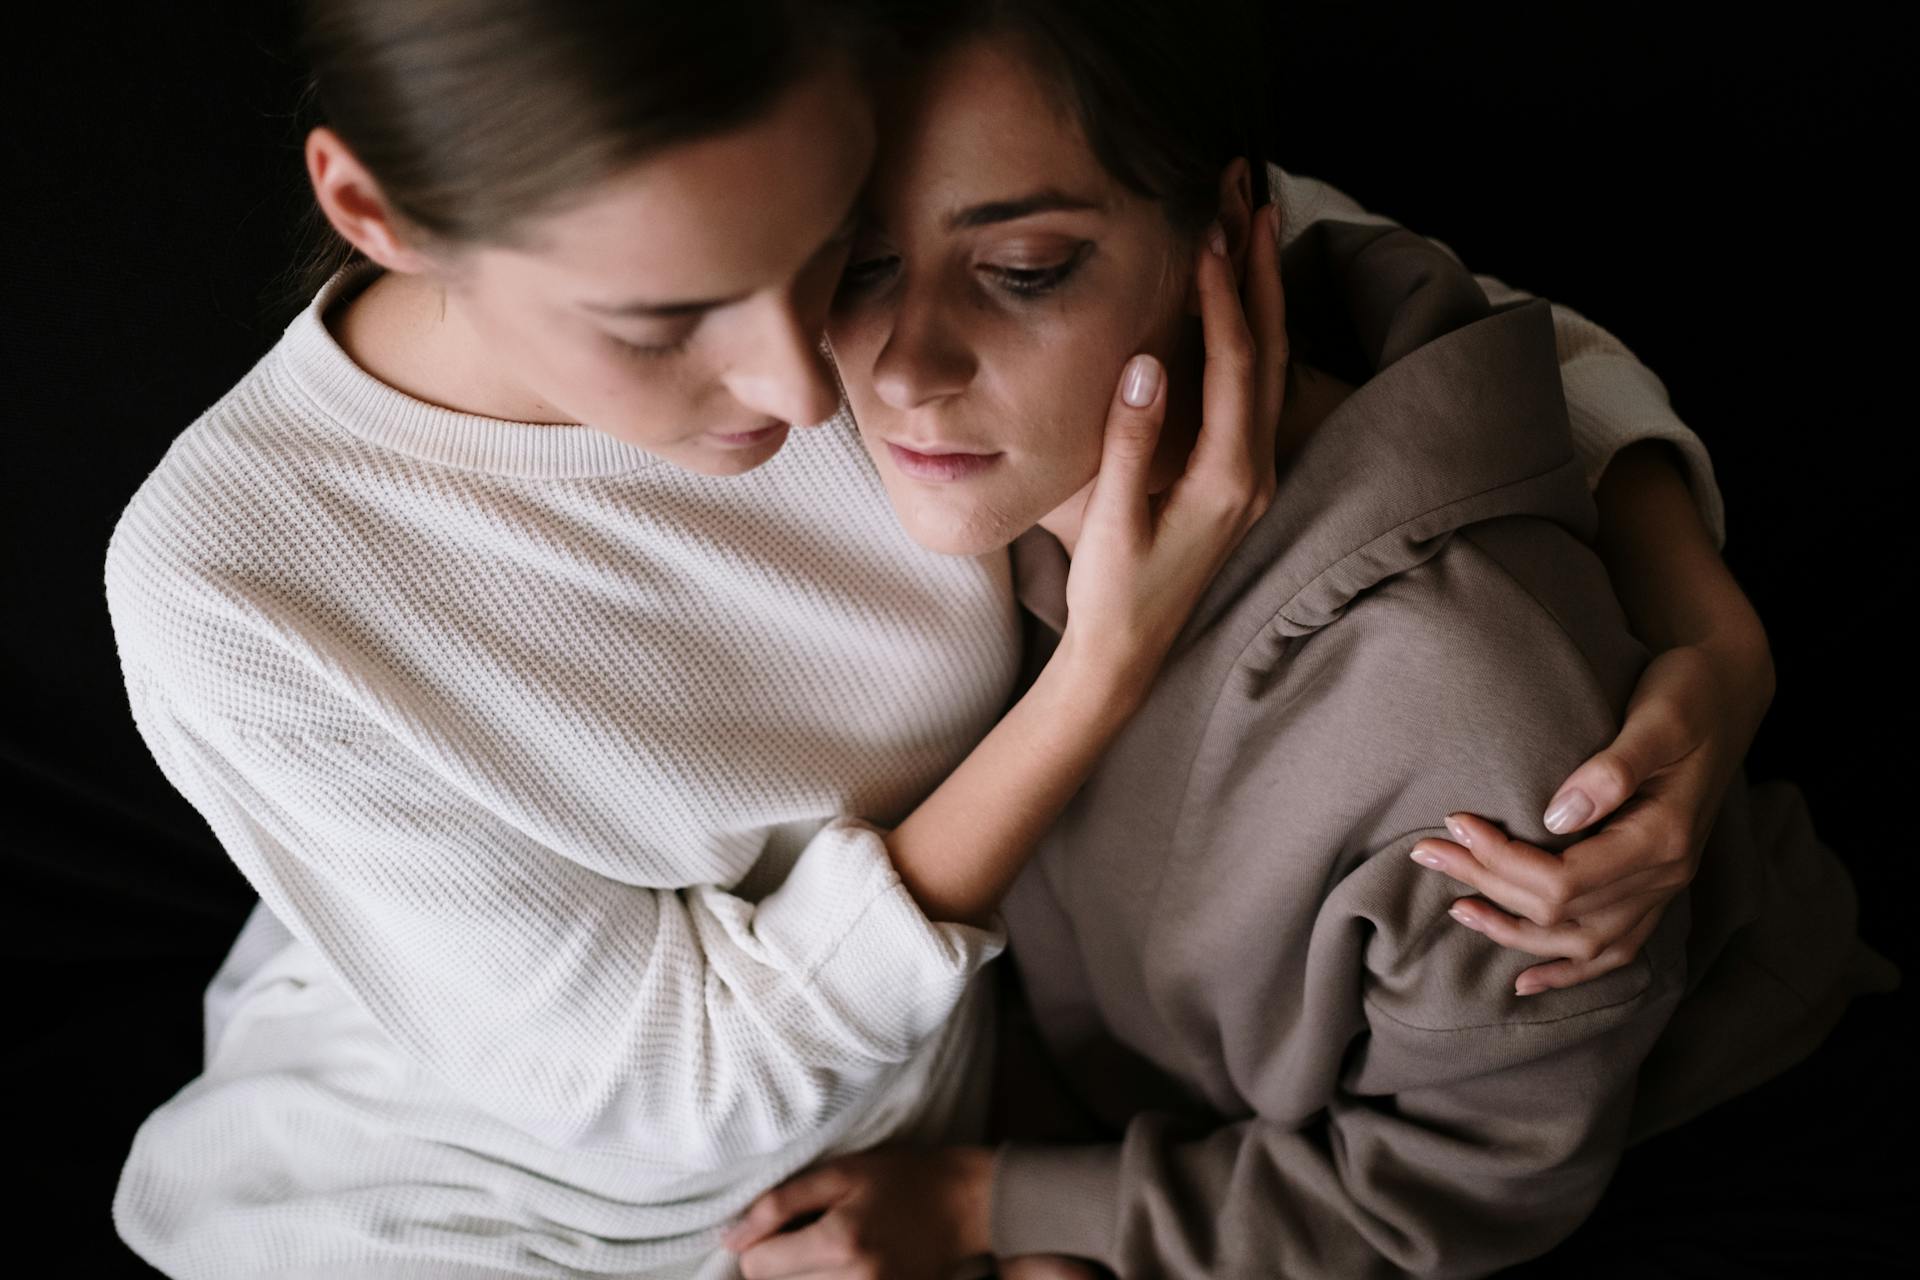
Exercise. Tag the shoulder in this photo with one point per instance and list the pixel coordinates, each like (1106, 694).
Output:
(1474, 680)
(235, 505)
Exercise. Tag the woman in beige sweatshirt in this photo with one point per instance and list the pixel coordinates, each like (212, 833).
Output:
(1297, 1065)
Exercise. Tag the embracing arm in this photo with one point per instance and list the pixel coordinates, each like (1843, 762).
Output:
(1613, 400)
(1696, 711)
(589, 1011)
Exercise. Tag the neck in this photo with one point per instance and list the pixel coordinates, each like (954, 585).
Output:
(407, 331)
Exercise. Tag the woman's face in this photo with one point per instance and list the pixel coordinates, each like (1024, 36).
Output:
(680, 307)
(1000, 282)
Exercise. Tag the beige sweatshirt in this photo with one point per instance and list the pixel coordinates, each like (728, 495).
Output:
(1303, 1066)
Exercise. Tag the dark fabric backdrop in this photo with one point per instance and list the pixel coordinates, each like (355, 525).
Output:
(1723, 197)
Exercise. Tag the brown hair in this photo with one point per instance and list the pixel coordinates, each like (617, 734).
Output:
(476, 115)
(1166, 94)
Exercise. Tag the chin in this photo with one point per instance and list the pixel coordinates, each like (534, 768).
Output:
(956, 533)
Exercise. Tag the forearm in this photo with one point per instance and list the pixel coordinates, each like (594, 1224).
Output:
(1669, 578)
(960, 851)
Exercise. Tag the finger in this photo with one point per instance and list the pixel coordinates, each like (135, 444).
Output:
(1651, 739)
(1223, 448)
(1456, 863)
(1267, 322)
(1517, 875)
(1583, 941)
(808, 1192)
(824, 1246)
(1558, 975)
(1548, 888)
(1120, 498)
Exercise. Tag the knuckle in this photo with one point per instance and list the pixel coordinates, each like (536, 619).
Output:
(1614, 773)
(1675, 849)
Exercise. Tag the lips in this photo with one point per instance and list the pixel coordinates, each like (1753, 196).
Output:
(938, 464)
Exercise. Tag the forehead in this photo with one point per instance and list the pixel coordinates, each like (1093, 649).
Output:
(980, 123)
(726, 214)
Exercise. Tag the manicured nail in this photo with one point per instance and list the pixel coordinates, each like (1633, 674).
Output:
(1529, 987)
(1142, 382)
(1458, 830)
(1464, 918)
(1217, 240)
(1427, 858)
(1569, 813)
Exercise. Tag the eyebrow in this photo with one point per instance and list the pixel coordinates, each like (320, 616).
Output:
(696, 306)
(1046, 201)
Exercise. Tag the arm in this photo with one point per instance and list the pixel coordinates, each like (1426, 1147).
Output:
(1688, 726)
(1696, 711)
(585, 1011)
(1447, 1150)
(590, 1011)
(1408, 1113)
(1613, 401)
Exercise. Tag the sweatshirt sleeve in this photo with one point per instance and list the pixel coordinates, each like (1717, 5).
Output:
(587, 1011)
(1397, 1110)
(1453, 1147)
(1613, 400)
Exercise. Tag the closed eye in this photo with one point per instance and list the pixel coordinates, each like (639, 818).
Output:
(1033, 282)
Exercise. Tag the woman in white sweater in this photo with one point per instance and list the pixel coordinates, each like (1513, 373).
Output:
(576, 766)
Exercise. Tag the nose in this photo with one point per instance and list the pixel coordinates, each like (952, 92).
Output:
(785, 372)
(923, 360)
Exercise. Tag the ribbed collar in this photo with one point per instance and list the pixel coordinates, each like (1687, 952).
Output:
(360, 403)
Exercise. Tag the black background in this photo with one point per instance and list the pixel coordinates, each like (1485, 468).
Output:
(1730, 200)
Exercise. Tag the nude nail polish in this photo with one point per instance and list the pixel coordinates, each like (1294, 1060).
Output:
(1570, 814)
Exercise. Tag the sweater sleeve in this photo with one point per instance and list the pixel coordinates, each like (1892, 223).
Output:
(585, 1010)
(1613, 400)
(1399, 1110)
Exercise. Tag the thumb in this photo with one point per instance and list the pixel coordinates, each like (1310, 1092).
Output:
(1646, 744)
(1126, 457)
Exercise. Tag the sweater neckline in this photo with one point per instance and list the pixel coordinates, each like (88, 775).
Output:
(382, 415)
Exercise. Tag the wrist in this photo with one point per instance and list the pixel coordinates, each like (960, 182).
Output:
(1096, 683)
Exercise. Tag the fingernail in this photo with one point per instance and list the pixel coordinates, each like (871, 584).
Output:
(1426, 858)
(1273, 220)
(1569, 814)
(1217, 240)
(1464, 918)
(1458, 830)
(1528, 987)
(1142, 381)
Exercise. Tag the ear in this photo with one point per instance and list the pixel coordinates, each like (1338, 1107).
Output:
(1236, 220)
(353, 203)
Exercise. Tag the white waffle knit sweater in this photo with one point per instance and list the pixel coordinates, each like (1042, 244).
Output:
(535, 745)
(545, 758)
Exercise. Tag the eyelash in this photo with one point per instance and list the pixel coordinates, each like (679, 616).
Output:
(1021, 282)
(653, 351)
